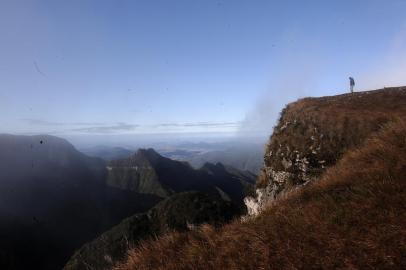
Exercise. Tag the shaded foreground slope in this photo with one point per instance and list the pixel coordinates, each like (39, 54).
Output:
(353, 218)
(179, 212)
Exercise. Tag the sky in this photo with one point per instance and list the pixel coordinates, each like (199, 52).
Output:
(154, 67)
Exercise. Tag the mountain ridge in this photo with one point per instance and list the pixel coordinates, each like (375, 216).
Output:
(148, 172)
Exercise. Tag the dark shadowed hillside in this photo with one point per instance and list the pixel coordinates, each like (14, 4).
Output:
(146, 172)
(53, 199)
(179, 212)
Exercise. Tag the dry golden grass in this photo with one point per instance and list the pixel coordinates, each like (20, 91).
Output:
(353, 218)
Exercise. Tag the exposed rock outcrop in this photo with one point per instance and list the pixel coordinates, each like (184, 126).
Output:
(313, 133)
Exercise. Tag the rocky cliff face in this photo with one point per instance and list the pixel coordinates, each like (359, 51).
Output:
(313, 133)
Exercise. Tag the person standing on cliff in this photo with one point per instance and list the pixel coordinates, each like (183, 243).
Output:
(352, 83)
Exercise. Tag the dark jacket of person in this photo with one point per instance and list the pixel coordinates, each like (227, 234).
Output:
(352, 82)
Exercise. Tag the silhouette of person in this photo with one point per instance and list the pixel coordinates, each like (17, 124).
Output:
(352, 83)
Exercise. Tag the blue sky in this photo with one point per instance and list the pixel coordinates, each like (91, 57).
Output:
(123, 67)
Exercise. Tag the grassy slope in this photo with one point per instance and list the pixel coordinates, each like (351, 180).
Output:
(353, 218)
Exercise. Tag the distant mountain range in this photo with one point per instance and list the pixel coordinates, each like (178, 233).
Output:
(106, 152)
(150, 173)
(54, 198)
(240, 154)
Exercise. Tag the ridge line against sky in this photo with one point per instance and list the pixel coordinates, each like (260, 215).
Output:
(119, 67)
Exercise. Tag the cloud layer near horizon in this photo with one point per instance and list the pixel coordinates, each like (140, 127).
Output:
(122, 127)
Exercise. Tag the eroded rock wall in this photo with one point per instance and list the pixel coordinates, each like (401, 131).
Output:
(313, 133)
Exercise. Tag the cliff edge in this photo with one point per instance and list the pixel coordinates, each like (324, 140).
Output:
(313, 134)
